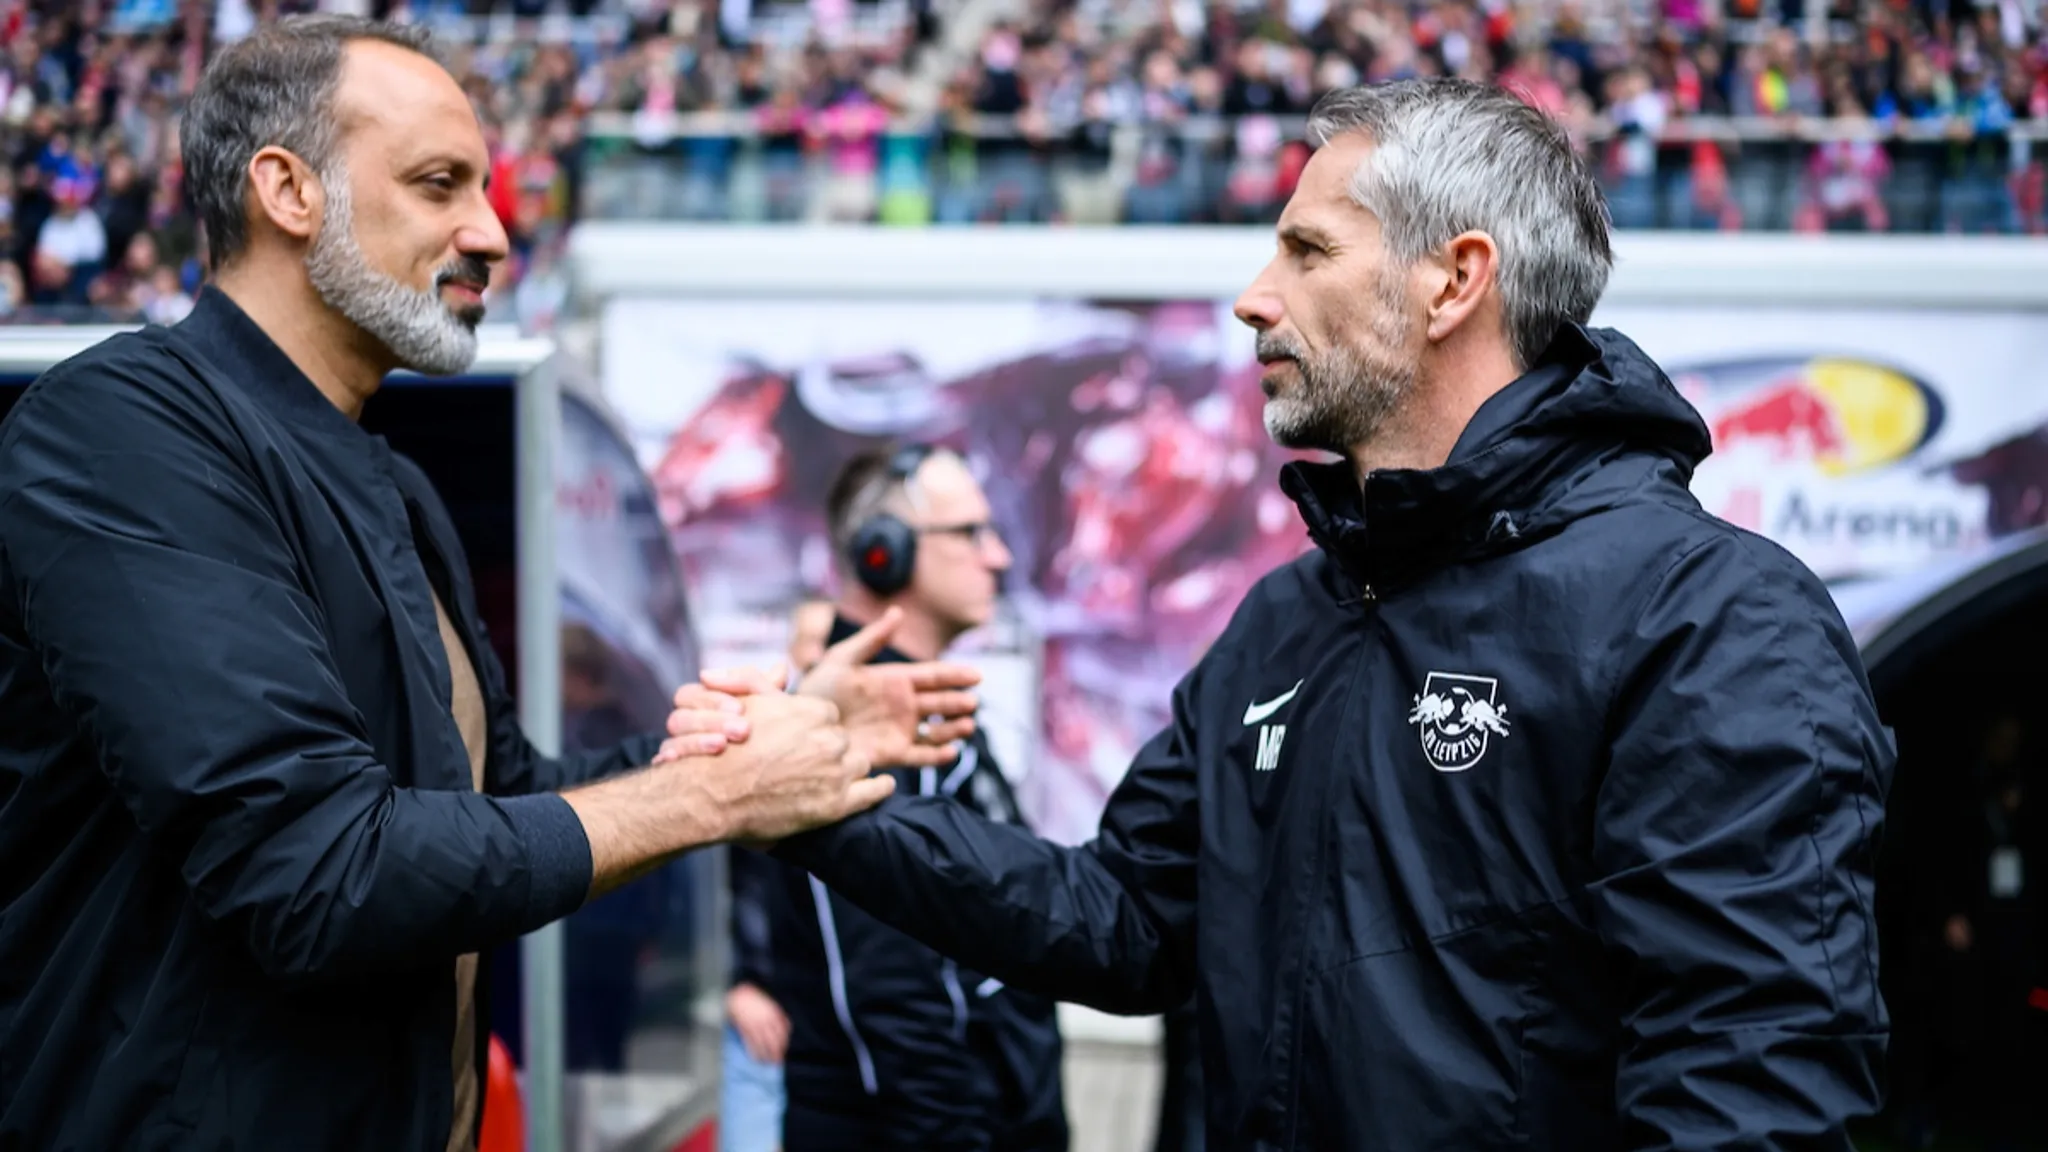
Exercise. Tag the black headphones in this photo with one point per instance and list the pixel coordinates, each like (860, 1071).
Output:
(883, 550)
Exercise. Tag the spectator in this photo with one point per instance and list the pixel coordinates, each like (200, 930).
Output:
(1846, 173)
(1099, 111)
(89, 96)
(71, 246)
(848, 133)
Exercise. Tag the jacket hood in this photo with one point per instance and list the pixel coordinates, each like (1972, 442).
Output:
(1591, 424)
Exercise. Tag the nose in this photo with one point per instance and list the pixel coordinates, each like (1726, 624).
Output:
(995, 552)
(1259, 306)
(482, 234)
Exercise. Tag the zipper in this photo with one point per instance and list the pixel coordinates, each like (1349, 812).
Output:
(1317, 875)
(835, 976)
(949, 972)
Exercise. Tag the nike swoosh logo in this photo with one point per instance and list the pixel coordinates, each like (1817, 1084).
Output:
(1254, 713)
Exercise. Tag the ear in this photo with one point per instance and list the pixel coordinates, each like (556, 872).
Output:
(286, 192)
(1467, 268)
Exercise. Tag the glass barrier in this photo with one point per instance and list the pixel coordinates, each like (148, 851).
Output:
(644, 965)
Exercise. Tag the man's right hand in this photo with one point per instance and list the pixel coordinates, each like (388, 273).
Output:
(796, 770)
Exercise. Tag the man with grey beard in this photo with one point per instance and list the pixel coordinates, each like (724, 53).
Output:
(264, 801)
(1534, 808)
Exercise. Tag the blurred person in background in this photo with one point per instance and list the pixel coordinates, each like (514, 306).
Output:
(71, 246)
(889, 1044)
(752, 1096)
(268, 801)
(752, 1093)
(1536, 808)
(810, 631)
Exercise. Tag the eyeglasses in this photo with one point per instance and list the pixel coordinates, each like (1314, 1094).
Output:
(980, 533)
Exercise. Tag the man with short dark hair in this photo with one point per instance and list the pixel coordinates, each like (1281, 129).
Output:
(1535, 808)
(264, 801)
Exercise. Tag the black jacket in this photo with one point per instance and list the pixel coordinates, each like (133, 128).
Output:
(882, 1025)
(1534, 809)
(239, 851)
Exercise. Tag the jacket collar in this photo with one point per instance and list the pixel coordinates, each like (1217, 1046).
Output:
(218, 330)
(1580, 430)
(843, 629)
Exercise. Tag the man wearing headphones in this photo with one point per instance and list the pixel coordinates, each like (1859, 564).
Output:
(891, 1045)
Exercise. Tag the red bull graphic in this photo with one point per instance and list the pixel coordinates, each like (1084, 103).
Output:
(1841, 414)
(1825, 455)
(1788, 417)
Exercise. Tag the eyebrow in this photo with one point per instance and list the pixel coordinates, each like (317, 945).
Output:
(1307, 234)
(457, 166)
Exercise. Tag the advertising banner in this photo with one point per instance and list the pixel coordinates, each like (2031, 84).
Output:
(1121, 446)
(1870, 444)
(1123, 449)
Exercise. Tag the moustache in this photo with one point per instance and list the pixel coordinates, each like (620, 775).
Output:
(471, 270)
(1271, 346)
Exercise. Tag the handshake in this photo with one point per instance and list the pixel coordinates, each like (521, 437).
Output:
(776, 762)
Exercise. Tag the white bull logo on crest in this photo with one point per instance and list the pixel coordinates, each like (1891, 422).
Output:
(1457, 716)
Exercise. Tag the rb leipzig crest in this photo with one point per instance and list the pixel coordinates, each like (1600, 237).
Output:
(1456, 716)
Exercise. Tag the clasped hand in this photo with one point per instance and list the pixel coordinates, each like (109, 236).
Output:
(892, 715)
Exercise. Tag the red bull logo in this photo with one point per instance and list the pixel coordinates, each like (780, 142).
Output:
(1456, 716)
(1839, 414)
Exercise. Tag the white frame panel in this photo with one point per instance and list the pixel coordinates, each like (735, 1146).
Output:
(610, 259)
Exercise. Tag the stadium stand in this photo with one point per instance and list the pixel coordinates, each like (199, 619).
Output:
(1810, 115)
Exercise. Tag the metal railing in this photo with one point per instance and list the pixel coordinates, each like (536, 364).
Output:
(784, 25)
(1757, 173)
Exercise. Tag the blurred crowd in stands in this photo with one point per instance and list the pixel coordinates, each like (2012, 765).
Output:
(1878, 115)
(1866, 115)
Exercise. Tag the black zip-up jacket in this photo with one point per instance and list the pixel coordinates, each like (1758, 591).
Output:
(881, 1026)
(239, 849)
(1534, 809)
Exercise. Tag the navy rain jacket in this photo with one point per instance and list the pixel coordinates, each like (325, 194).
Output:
(239, 848)
(1534, 809)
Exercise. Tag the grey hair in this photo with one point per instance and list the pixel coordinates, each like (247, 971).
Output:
(274, 88)
(1453, 156)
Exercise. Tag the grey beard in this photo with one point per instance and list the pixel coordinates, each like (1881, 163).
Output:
(1342, 402)
(419, 329)
(1347, 392)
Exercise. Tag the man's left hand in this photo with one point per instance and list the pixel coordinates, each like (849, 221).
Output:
(704, 721)
(898, 715)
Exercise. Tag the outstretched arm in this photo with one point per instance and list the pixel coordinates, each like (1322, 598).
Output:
(1110, 924)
